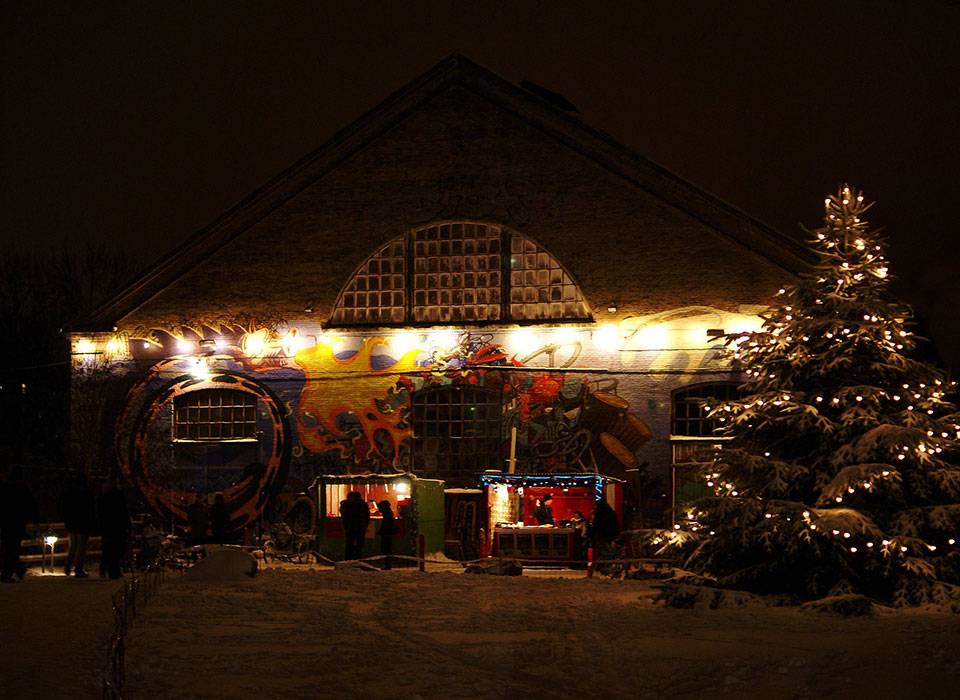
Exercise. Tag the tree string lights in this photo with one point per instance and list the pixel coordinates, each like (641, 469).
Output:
(842, 469)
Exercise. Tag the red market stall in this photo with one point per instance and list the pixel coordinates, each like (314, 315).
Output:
(512, 502)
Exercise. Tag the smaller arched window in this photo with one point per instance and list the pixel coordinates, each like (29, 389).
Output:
(215, 415)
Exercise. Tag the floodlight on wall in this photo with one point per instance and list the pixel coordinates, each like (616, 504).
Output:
(405, 342)
(254, 344)
(523, 341)
(563, 335)
(608, 337)
(208, 344)
(444, 340)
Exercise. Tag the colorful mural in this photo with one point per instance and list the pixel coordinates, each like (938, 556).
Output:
(365, 418)
(147, 459)
(341, 403)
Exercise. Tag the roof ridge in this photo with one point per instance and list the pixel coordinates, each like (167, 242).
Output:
(455, 68)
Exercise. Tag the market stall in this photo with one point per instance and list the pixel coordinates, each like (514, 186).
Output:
(513, 502)
(416, 503)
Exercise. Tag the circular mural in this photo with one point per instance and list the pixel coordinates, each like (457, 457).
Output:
(249, 493)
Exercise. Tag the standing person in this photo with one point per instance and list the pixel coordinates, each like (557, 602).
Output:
(355, 517)
(79, 517)
(17, 506)
(388, 528)
(544, 513)
(606, 529)
(114, 528)
(220, 519)
(198, 520)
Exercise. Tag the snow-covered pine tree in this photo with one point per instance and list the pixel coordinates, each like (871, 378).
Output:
(842, 472)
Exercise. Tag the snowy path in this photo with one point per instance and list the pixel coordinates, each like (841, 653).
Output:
(54, 632)
(403, 634)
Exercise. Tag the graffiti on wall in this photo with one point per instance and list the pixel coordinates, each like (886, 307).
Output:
(336, 404)
(144, 452)
(559, 416)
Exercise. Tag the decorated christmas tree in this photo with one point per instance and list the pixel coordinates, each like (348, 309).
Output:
(841, 474)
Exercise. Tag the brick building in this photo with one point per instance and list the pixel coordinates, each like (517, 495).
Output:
(466, 272)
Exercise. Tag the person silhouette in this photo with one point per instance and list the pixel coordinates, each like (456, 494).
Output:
(17, 507)
(355, 517)
(388, 528)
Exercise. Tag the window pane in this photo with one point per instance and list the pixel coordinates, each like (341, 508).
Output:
(463, 434)
(466, 248)
(215, 415)
(689, 408)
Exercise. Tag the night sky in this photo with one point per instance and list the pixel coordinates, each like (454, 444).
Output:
(125, 122)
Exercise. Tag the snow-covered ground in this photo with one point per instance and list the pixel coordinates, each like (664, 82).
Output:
(405, 634)
(54, 633)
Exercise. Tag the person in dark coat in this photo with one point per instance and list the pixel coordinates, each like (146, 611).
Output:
(114, 528)
(544, 513)
(79, 518)
(355, 517)
(17, 506)
(388, 528)
(220, 519)
(605, 530)
(198, 520)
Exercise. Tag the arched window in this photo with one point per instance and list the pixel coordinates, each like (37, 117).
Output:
(456, 431)
(459, 272)
(215, 415)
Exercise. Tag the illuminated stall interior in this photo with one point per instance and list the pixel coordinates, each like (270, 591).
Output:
(512, 501)
(416, 503)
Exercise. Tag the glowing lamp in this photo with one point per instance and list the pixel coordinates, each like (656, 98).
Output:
(253, 344)
(199, 370)
(50, 540)
(85, 346)
(523, 341)
(443, 340)
(184, 346)
(114, 345)
(608, 337)
(652, 337)
(403, 489)
(403, 343)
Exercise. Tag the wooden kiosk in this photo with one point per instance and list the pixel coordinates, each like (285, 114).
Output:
(417, 504)
(511, 503)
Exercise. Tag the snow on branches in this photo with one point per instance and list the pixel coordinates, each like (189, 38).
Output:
(841, 469)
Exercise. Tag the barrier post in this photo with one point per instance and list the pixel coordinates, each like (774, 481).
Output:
(589, 562)
(422, 552)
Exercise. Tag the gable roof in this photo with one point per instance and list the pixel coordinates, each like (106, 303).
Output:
(754, 235)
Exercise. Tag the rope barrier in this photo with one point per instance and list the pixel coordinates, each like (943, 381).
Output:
(124, 604)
